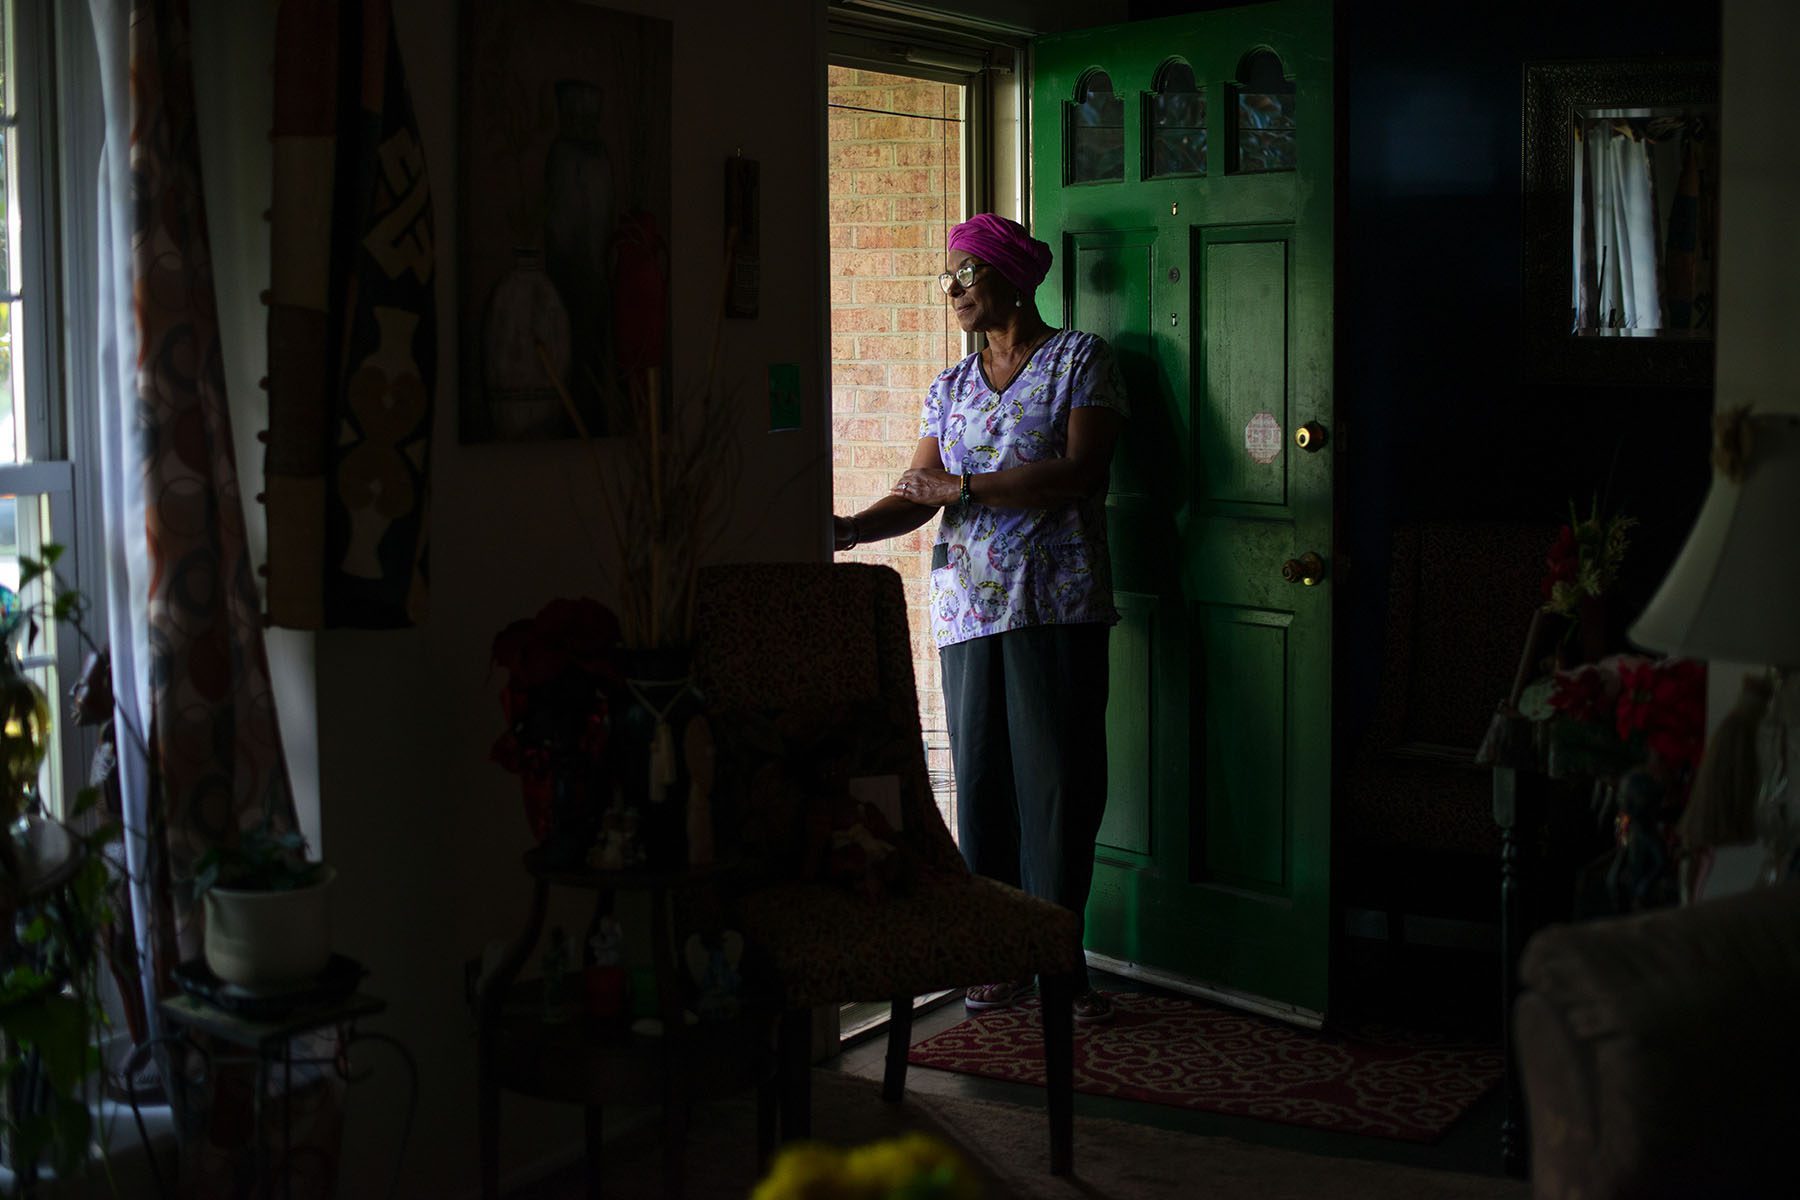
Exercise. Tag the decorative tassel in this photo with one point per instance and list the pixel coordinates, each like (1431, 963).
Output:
(1721, 810)
(662, 761)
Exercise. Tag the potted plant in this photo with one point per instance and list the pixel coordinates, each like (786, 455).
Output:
(57, 892)
(266, 920)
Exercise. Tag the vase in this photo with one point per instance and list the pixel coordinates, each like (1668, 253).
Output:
(24, 736)
(578, 219)
(650, 762)
(267, 941)
(524, 313)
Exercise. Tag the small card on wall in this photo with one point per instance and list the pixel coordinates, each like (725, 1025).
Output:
(881, 793)
(743, 222)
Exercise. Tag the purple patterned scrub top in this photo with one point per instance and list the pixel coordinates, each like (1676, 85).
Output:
(995, 569)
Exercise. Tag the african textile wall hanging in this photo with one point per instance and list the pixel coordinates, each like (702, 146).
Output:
(352, 326)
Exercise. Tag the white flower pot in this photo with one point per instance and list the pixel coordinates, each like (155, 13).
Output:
(267, 941)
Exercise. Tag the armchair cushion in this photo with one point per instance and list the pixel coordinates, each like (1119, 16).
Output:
(798, 803)
(829, 946)
(1659, 1051)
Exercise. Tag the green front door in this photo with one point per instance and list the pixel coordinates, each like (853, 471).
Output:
(1182, 170)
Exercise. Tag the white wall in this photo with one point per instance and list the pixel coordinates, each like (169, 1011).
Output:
(233, 103)
(426, 833)
(1759, 240)
(1759, 177)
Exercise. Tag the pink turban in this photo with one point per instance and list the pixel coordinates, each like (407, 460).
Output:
(1004, 245)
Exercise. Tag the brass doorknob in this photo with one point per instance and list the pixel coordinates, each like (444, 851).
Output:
(1308, 569)
(1310, 436)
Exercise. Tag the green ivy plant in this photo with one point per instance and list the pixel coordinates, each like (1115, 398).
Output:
(50, 953)
(264, 859)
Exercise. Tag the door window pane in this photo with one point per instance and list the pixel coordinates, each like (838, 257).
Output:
(1263, 113)
(1175, 115)
(898, 148)
(1095, 132)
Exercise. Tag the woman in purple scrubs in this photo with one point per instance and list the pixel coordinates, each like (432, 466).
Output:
(1015, 448)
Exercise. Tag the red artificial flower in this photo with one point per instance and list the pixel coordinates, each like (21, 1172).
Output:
(566, 633)
(1665, 703)
(1585, 694)
(559, 665)
(1563, 562)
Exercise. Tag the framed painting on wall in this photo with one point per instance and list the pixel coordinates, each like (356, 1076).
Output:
(565, 154)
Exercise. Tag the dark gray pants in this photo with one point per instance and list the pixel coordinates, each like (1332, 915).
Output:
(1027, 716)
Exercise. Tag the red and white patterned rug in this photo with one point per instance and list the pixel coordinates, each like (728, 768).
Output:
(1189, 1054)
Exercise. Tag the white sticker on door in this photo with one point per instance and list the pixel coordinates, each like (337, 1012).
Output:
(1262, 438)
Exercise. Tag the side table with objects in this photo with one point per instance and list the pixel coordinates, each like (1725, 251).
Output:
(683, 1035)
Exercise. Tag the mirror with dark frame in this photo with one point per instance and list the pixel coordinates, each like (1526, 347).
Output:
(1621, 191)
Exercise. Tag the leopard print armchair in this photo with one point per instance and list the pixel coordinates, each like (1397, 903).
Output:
(810, 638)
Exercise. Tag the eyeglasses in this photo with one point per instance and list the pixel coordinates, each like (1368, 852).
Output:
(964, 275)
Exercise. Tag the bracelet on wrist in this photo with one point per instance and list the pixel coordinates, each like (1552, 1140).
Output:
(855, 534)
(962, 495)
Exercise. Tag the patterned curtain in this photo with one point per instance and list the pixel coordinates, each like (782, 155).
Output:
(215, 750)
(215, 757)
(352, 326)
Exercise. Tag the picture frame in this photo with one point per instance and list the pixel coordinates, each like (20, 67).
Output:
(563, 287)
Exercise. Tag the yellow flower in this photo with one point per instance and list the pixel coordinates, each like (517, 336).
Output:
(804, 1171)
(913, 1167)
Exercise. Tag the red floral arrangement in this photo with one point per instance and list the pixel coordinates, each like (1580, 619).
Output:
(560, 669)
(1637, 726)
(1584, 560)
(1629, 711)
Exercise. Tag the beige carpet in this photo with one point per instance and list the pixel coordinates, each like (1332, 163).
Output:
(1114, 1160)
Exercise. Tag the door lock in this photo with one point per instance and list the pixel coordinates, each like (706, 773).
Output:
(1306, 570)
(1310, 436)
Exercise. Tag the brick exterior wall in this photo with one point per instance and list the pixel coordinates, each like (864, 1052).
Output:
(896, 189)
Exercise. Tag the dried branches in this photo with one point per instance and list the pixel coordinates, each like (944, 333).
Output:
(667, 495)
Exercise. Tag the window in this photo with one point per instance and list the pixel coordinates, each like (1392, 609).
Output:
(1094, 126)
(925, 125)
(37, 469)
(1262, 109)
(1175, 118)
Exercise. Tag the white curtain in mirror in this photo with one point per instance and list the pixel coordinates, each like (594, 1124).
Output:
(1617, 284)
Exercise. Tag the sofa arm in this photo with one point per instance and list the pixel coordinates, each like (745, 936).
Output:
(1660, 1053)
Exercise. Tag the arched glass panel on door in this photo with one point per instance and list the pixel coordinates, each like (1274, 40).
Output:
(1262, 116)
(1175, 124)
(1094, 132)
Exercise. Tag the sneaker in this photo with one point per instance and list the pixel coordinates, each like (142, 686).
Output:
(997, 995)
(1093, 1008)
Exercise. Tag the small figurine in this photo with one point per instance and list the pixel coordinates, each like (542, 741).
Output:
(607, 946)
(714, 970)
(619, 846)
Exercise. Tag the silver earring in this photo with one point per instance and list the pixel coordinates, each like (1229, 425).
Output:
(1018, 301)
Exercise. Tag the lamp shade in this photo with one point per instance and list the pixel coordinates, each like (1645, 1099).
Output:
(1734, 591)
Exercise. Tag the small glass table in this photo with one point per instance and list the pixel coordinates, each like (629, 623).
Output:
(593, 1061)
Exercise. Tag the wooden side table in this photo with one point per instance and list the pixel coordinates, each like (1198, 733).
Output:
(595, 1062)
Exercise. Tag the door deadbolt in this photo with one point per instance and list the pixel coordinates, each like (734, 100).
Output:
(1306, 570)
